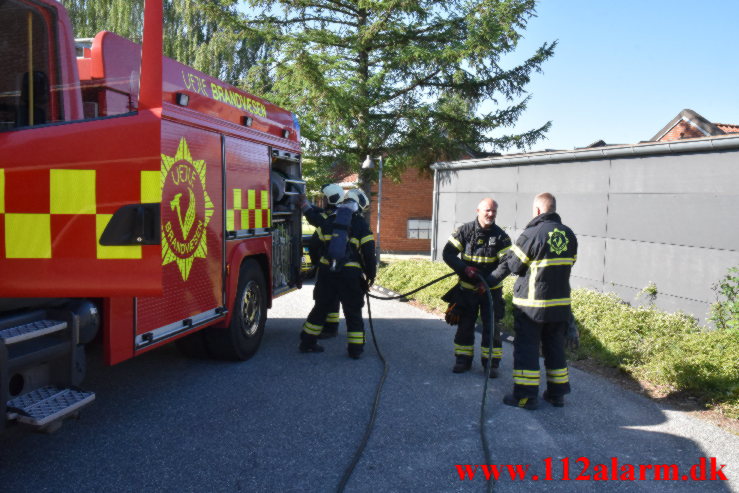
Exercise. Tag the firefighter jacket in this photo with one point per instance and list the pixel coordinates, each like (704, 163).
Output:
(362, 245)
(542, 257)
(316, 216)
(473, 245)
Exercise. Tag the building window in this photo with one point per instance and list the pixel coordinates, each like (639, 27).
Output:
(419, 229)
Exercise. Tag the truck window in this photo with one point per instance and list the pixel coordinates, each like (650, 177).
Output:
(47, 76)
(28, 71)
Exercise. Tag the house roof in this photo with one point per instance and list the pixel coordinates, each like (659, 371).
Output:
(651, 148)
(698, 126)
(728, 128)
(348, 180)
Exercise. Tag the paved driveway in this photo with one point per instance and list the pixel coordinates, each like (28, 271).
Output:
(290, 422)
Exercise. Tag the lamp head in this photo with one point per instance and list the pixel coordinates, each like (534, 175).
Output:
(368, 163)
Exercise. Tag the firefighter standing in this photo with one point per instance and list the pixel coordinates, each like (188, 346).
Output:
(481, 244)
(342, 278)
(317, 217)
(542, 257)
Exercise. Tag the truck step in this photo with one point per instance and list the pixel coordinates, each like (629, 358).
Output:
(31, 330)
(46, 405)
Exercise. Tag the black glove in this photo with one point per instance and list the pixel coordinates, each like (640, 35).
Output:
(366, 282)
(572, 336)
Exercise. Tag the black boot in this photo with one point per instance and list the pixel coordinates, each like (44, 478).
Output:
(493, 370)
(355, 350)
(554, 400)
(330, 329)
(463, 364)
(310, 347)
(529, 403)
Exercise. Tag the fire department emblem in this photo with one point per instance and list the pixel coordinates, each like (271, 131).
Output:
(557, 241)
(186, 209)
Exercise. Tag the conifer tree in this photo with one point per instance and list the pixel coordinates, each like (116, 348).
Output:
(401, 78)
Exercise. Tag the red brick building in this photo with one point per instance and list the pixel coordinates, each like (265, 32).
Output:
(406, 209)
(690, 125)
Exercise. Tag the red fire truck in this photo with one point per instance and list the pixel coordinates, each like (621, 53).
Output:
(141, 202)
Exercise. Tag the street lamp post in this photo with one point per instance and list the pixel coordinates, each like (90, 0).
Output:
(369, 163)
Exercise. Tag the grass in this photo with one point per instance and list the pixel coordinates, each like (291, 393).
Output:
(669, 351)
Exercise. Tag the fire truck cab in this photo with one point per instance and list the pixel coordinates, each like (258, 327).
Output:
(141, 202)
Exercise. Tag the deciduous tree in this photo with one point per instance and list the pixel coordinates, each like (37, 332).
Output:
(208, 36)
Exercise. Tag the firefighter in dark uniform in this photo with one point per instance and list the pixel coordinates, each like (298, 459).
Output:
(477, 247)
(317, 216)
(347, 278)
(542, 257)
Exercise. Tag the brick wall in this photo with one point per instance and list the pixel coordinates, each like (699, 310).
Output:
(411, 198)
(682, 130)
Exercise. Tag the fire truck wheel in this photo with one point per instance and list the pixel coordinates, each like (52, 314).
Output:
(241, 339)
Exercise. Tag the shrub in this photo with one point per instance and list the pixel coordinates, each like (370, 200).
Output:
(725, 312)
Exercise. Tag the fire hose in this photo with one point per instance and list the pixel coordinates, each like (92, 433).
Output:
(378, 392)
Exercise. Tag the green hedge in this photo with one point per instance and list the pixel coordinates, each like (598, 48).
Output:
(668, 350)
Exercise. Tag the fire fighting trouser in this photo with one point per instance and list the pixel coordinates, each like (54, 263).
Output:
(473, 303)
(530, 336)
(345, 286)
(331, 326)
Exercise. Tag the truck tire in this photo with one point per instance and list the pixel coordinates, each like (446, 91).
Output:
(240, 340)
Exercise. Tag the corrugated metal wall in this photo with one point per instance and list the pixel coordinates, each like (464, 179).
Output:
(662, 214)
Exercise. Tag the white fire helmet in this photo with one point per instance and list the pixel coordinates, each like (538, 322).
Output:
(358, 196)
(333, 192)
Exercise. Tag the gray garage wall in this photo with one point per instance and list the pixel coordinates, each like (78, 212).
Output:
(666, 213)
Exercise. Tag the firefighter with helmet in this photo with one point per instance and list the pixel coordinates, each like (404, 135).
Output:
(316, 216)
(346, 269)
(476, 248)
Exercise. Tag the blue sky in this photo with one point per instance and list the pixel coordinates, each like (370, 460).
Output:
(623, 69)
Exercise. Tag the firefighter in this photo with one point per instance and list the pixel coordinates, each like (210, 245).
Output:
(316, 216)
(346, 270)
(542, 257)
(477, 247)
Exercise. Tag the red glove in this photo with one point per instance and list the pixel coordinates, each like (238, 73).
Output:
(480, 288)
(471, 272)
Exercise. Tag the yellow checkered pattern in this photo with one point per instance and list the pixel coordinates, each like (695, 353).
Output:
(262, 214)
(71, 192)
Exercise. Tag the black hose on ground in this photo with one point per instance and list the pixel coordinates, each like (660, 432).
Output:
(483, 436)
(373, 415)
(397, 297)
(371, 423)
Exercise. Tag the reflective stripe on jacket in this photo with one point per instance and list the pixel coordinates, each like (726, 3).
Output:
(361, 239)
(472, 245)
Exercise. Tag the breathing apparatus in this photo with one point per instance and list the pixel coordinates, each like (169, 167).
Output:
(338, 247)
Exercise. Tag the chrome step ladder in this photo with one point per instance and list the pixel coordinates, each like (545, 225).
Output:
(33, 340)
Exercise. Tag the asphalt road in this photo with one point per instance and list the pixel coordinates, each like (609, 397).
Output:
(290, 422)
